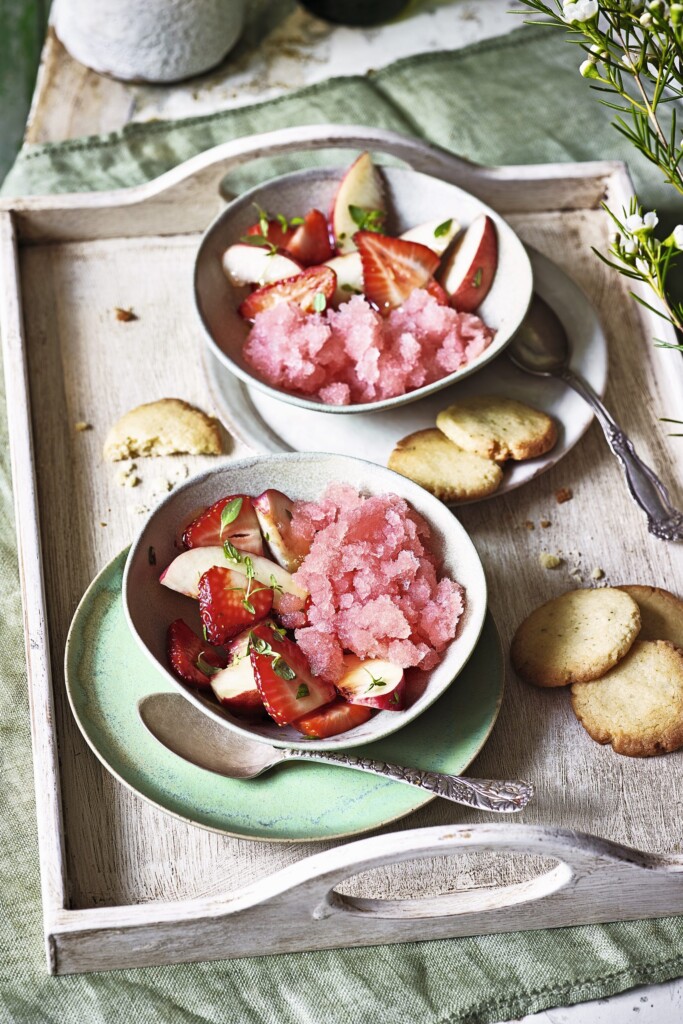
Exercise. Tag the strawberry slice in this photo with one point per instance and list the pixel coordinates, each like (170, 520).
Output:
(276, 234)
(187, 652)
(302, 289)
(393, 268)
(229, 602)
(287, 688)
(333, 719)
(310, 244)
(238, 524)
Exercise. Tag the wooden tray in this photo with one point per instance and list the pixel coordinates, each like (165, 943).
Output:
(126, 885)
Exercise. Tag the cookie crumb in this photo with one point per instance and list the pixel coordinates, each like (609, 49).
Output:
(82, 425)
(141, 510)
(549, 561)
(529, 524)
(103, 524)
(127, 477)
(564, 494)
(597, 573)
(125, 315)
(162, 486)
(545, 523)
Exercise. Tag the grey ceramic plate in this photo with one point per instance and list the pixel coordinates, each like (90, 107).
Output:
(413, 198)
(106, 675)
(267, 425)
(151, 607)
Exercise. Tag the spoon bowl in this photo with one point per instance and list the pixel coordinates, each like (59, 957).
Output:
(541, 345)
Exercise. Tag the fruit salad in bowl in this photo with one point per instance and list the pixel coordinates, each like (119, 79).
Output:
(359, 290)
(327, 611)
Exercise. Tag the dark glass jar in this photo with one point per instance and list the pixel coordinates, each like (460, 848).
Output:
(356, 12)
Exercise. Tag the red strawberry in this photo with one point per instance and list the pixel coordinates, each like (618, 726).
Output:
(184, 649)
(284, 678)
(393, 268)
(243, 530)
(439, 293)
(275, 233)
(310, 243)
(333, 719)
(302, 289)
(224, 603)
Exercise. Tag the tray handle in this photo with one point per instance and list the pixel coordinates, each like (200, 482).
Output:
(593, 880)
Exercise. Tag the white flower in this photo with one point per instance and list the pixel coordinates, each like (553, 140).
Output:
(678, 236)
(643, 267)
(580, 10)
(650, 221)
(633, 223)
(630, 247)
(646, 20)
(588, 69)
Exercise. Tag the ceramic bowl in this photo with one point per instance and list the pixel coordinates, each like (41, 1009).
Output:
(151, 607)
(413, 198)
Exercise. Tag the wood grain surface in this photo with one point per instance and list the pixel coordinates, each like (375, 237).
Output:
(84, 364)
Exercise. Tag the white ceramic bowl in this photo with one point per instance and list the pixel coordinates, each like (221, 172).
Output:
(151, 607)
(413, 198)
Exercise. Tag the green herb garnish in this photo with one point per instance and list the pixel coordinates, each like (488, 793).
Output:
(476, 280)
(295, 222)
(205, 635)
(368, 220)
(259, 240)
(231, 552)
(203, 666)
(349, 288)
(282, 221)
(319, 302)
(303, 690)
(230, 513)
(377, 681)
(442, 229)
(394, 698)
(283, 670)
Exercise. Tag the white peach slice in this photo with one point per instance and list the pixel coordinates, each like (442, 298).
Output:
(468, 272)
(374, 683)
(186, 570)
(274, 513)
(251, 264)
(437, 235)
(361, 186)
(235, 686)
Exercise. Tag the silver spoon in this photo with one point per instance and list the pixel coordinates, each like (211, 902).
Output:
(541, 347)
(192, 735)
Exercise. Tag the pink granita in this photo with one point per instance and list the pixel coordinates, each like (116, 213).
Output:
(354, 355)
(374, 585)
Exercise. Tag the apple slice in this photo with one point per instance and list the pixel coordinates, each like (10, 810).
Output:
(468, 273)
(186, 570)
(360, 187)
(373, 683)
(437, 235)
(274, 513)
(251, 264)
(235, 686)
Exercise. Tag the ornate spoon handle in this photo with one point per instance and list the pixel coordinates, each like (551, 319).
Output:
(505, 796)
(648, 491)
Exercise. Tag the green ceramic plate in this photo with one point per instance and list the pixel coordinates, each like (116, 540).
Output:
(107, 673)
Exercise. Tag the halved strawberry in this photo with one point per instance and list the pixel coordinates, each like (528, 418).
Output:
(393, 268)
(302, 289)
(333, 719)
(310, 244)
(185, 650)
(284, 678)
(229, 602)
(212, 527)
(276, 233)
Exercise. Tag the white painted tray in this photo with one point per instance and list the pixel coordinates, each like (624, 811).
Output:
(126, 885)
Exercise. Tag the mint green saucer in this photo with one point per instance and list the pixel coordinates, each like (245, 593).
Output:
(107, 673)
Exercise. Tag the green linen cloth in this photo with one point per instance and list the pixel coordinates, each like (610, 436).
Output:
(518, 99)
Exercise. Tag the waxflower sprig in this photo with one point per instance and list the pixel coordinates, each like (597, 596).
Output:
(633, 55)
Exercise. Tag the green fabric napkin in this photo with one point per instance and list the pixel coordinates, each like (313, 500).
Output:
(513, 100)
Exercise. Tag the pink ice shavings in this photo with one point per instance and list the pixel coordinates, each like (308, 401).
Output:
(374, 586)
(354, 355)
